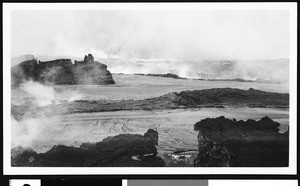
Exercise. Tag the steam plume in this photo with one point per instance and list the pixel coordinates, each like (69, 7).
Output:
(44, 95)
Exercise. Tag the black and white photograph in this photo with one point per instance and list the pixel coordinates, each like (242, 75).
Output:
(150, 87)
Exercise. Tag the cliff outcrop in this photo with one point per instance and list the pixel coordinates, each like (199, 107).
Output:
(62, 72)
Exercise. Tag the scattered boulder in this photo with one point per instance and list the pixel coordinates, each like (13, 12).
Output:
(224, 142)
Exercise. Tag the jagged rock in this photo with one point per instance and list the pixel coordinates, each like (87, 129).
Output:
(91, 72)
(124, 150)
(152, 135)
(63, 72)
(226, 142)
(88, 58)
(179, 160)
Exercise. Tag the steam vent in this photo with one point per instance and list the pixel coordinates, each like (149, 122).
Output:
(63, 72)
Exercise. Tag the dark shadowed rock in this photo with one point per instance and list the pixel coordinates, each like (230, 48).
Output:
(59, 72)
(124, 150)
(63, 72)
(88, 58)
(233, 96)
(132, 149)
(152, 135)
(24, 71)
(168, 75)
(90, 72)
(226, 142)
(20, 59)
(22, 156)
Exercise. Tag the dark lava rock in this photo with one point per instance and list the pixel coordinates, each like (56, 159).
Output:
(224, 142)
(124, 150)
(22, 156)
(152, 135)
(124, 147)
(19, 59)
(232, 96)
(62, 72)
(88, 58)
(59, 72)
(24, 71)
(168, 75)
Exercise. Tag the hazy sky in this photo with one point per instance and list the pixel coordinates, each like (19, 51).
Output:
(185, 34)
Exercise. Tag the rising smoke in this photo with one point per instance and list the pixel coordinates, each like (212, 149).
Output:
(30, 129)
(273, 71)
(168, 34)
(186, 37)
(44, 95)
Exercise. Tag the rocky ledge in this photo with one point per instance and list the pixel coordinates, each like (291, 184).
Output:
(232, 96)
(62, 72)
(124, 150)
(230, 143)
(167, 75)
(217, 97)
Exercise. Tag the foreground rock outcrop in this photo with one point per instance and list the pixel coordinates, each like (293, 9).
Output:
(229, 143)
(62, 72)
(124, 150)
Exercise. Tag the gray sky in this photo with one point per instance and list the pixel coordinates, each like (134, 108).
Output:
(185, 34)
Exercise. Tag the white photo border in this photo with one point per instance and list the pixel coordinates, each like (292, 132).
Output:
(9, 170)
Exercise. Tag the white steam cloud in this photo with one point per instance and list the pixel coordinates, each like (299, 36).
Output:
(148, 34)
(25, 132)
(44, 95)
(30, 131)
(180, 35)
(276, 71)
